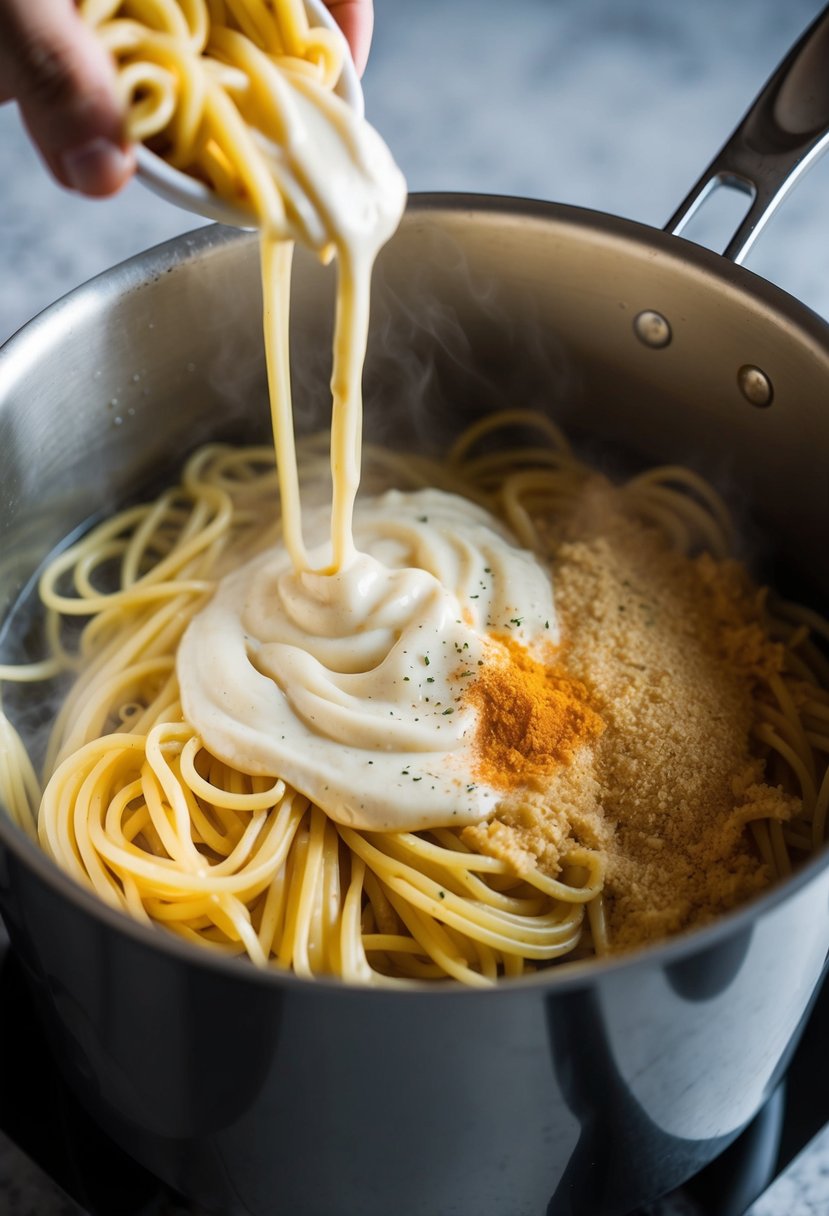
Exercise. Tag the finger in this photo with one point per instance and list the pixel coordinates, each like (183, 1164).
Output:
(63, 81)
(356, 20)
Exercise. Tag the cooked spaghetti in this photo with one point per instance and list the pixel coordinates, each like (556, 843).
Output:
(137, 808)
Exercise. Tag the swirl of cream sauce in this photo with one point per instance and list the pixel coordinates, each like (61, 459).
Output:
(350, 685)
(339, 661)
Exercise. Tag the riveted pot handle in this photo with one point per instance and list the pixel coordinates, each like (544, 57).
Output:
(784, 132)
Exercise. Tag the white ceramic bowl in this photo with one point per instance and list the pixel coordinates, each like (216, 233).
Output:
(184, 191)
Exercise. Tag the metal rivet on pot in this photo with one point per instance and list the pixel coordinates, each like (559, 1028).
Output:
(755, 385)
(652, 328)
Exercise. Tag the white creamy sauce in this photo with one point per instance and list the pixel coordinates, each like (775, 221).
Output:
(341, 666)
(350, 685)
(342, 192)
(336, 175)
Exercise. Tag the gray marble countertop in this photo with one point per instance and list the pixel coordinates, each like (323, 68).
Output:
(615, 105)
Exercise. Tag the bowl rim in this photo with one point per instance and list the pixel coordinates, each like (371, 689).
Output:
(28, 344)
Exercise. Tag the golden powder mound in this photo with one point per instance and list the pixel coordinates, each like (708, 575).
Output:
(665, 650)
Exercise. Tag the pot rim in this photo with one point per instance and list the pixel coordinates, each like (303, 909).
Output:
(28, 344)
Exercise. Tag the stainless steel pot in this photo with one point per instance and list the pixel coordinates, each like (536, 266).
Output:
(588, 1089)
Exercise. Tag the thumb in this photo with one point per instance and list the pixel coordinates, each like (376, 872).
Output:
(356, 20)
(64, 83)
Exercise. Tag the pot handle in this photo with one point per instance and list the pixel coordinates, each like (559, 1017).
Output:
(784, 131)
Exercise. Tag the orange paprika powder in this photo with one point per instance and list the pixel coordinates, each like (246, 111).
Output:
(531, 716)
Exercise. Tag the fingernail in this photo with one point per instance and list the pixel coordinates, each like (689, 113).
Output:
(95, 167)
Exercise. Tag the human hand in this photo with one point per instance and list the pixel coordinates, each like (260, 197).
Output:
(356, 20)
(64, 83)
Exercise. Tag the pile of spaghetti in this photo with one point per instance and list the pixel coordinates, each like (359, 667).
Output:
(678, 735)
